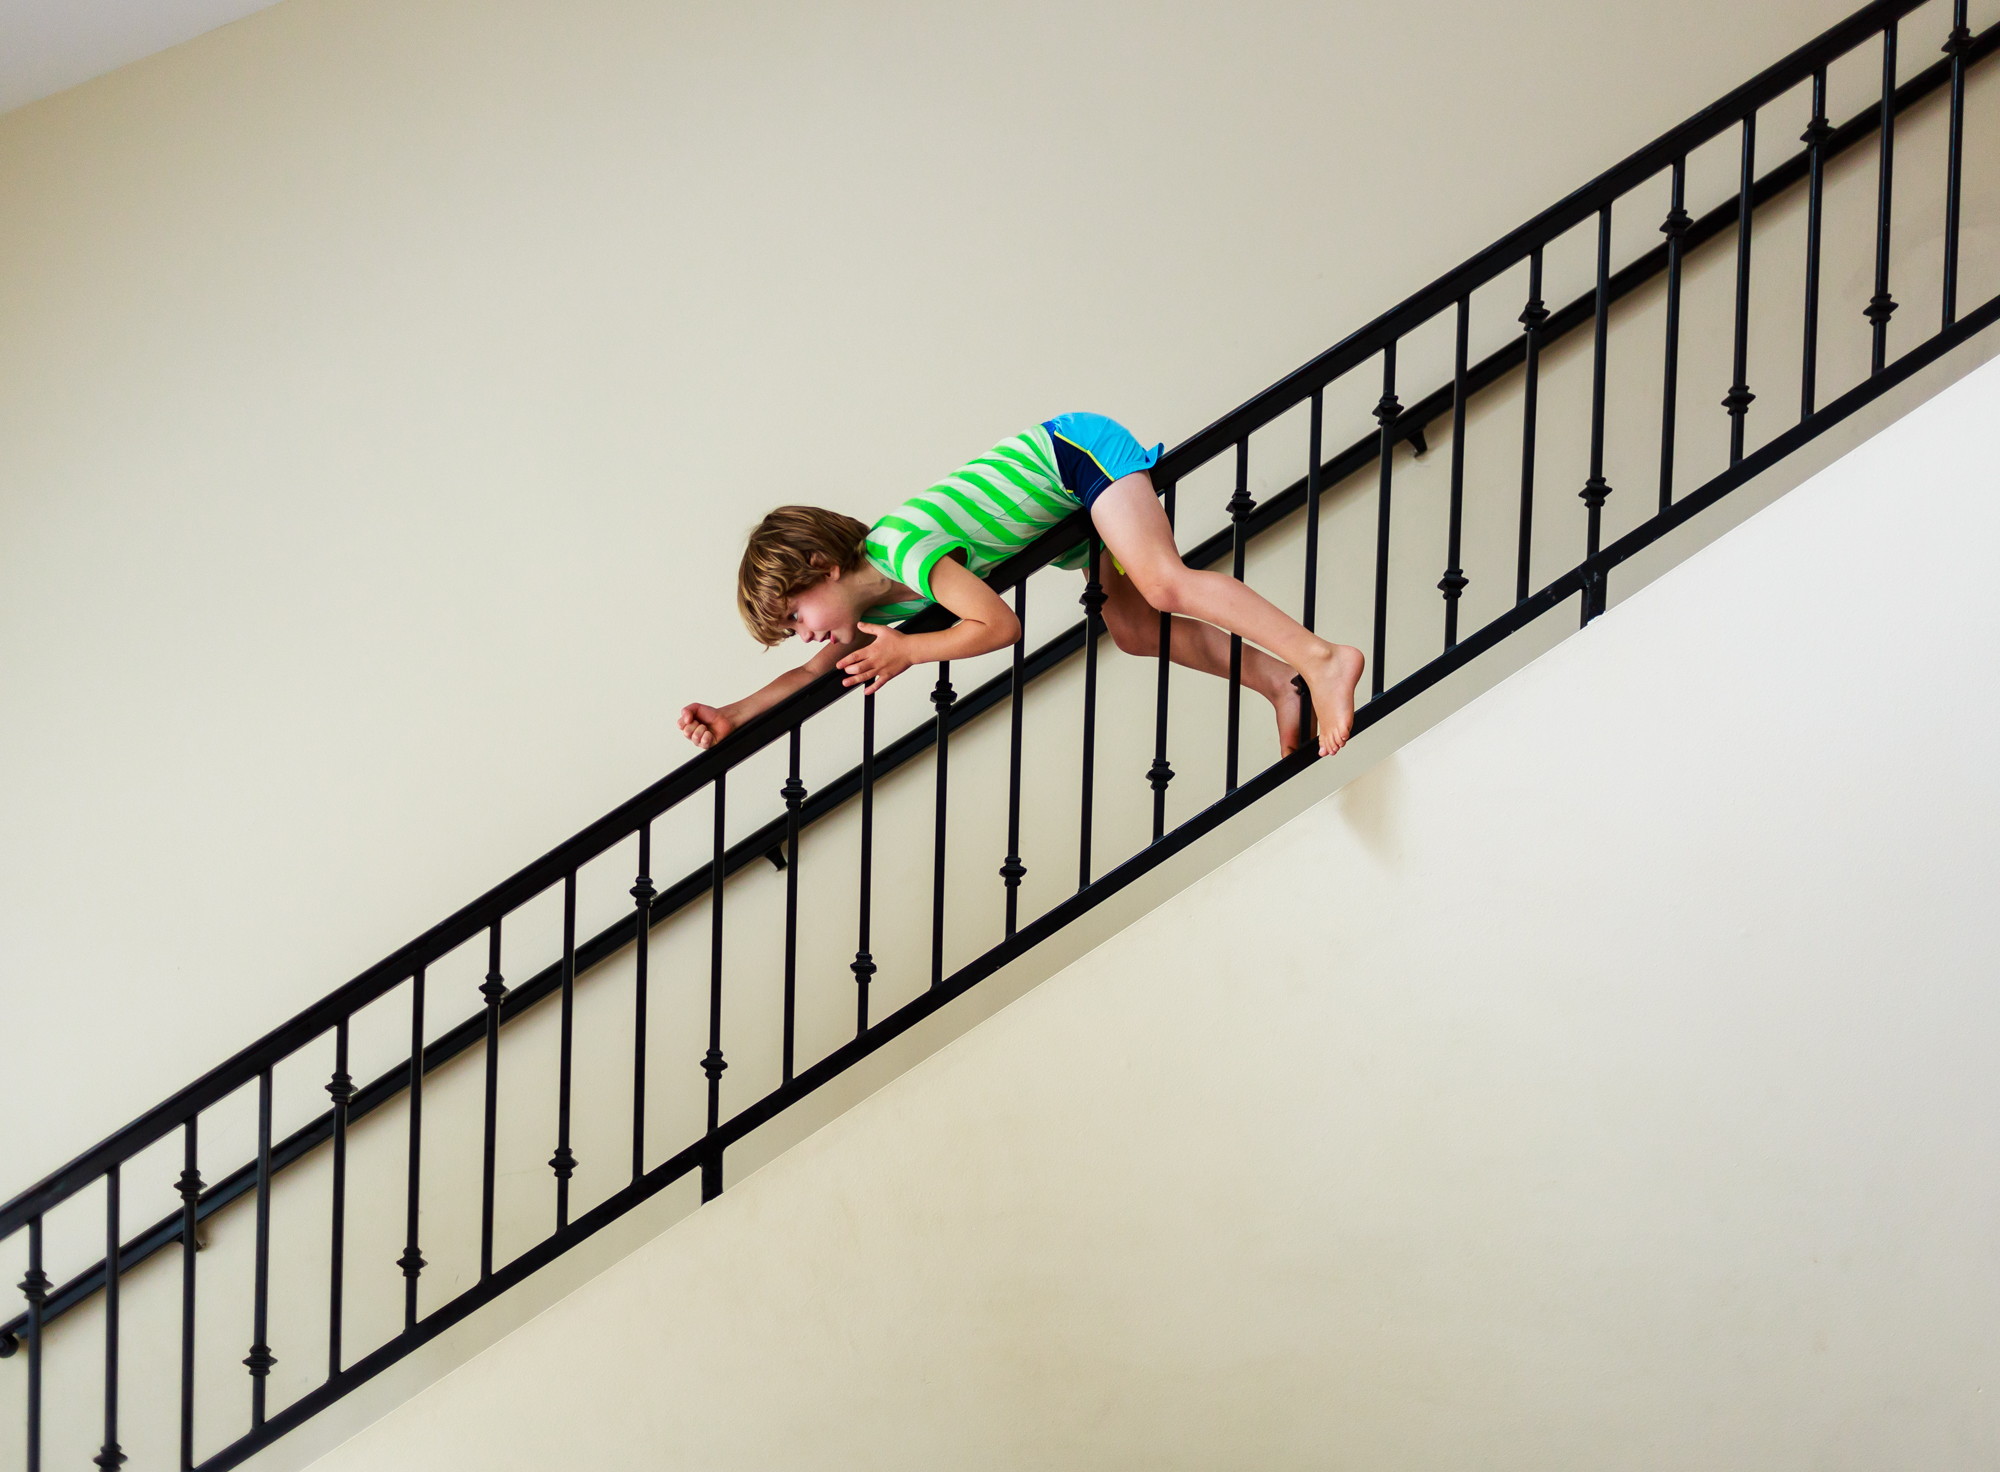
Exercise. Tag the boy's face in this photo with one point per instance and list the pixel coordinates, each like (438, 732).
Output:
(825, 611)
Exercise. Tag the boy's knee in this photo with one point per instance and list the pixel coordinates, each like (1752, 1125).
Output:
(1123, 623)
(1132, 636)
(1166, 589)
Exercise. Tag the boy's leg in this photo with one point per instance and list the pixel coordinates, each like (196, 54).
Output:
(1135, 627)
(1128, 517)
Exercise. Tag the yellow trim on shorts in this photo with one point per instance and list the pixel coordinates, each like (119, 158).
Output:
(1108, 476)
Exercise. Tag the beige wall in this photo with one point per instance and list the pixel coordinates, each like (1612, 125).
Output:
(385, 390)
(1635, 1109)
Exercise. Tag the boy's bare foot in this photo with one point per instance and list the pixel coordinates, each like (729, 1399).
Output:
(1287, 704)
(1332, 679)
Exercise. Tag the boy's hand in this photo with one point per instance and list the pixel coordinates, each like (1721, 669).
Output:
(880, 662)
(704, 725)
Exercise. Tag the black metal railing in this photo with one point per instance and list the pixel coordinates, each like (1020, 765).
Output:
(485, 919)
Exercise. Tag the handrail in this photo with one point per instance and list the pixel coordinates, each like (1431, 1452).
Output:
(692, 776)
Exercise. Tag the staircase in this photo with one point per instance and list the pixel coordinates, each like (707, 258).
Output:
(735, 908)
(1597, 1094)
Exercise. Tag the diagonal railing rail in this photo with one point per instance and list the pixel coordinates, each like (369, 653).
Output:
(707, 773)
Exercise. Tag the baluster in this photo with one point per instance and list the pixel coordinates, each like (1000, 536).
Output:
(111, 1457)
(863, 965)
(1311, 600)
(942, 696)
(1240, 506)
(642, 931)
(1675, 228)
(563, 1162)
(1595, 489)
(494, 990)
(1737, 400)
(1814, 137)
(341, 1087)
(712, 1063)
(1387, 409)
(1309, 612)
(1160, 774)
(35, 1288)
(794, 793)
(1957, 46)
(1533, 317)
(1453, 583)
(1092, 601)
(412, 1261)
(1012, 870)
(190, 1187)
(260, 1359)
(1881, 306)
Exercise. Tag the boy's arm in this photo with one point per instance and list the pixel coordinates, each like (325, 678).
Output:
(985, 623)
(705, 725)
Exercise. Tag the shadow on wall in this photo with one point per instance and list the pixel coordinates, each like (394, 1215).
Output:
(1372, 808)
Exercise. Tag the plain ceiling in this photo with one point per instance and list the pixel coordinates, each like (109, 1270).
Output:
(47, 45)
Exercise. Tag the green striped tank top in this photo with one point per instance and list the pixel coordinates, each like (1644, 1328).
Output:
(988, 509)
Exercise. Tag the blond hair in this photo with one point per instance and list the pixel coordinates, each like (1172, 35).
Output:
(792, 549)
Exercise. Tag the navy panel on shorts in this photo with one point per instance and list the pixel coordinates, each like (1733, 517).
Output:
(1092, 452)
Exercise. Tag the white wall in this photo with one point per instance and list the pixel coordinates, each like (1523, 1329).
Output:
(1610, 1085)
(385, 390)
(382, 381)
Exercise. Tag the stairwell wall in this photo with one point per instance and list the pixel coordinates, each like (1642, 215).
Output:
(387, 390)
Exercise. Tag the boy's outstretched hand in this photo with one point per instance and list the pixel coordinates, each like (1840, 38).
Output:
(704, 725)
(880, 662)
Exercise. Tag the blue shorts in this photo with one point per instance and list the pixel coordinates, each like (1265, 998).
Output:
(1092, 452)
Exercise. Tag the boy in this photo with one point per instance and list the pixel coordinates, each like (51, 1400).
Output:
(831, 580)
